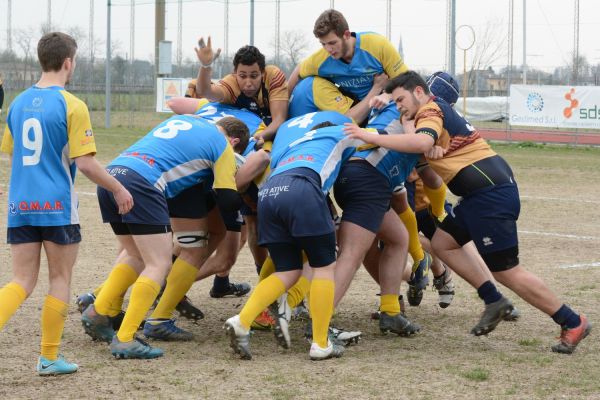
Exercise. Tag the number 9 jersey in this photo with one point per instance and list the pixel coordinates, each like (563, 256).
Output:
(47, 128)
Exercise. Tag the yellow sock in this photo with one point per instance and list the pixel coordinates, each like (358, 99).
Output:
(266, 270)
(297, 292)
(54, 313)
(121, 277)
(143, 294)
(390, 304)
(265, 293)
(179, 281)
(11, 297)
(414, 245)
(437, 198)
(321, 308)
(96, 291)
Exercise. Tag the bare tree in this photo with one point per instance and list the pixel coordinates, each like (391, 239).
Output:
(490, 46)
(293, 47)
(24, 40)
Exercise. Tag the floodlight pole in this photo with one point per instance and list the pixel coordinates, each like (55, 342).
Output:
(251, 22)
(107, 68)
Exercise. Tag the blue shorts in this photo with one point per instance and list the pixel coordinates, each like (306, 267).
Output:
(194, 202)
(149, 203)
(425, 222)
(292, 205)
(363, 194)
(489, 218)
(64, 234)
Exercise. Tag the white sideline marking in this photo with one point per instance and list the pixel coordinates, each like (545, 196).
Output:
(560, 199)
(594, 264)
(562, 235)
(87, 193)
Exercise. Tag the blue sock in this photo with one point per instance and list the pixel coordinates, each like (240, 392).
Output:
(488, 292)
(221, 283)
(566, 317)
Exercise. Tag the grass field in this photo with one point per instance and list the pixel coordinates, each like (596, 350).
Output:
(559, 240)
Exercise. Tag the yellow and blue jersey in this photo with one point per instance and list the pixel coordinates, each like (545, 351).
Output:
(317, 94)
(179, 153)
(47, 128)
(385, 119)
(322, 150)
(213, 112)
(373, 54)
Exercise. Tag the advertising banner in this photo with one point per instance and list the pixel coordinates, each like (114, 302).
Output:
(555, 106)
(167, 88)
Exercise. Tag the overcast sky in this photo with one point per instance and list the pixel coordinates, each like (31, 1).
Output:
(420, 23)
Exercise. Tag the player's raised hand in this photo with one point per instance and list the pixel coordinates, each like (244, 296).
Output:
(124, 200)
(380, 101)
(205, 53)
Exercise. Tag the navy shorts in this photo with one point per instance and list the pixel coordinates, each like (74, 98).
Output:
(292, 205)
(64, 234)
(194, 202)
(363, 194)
(425, 222)
(149, 203)
(320, 251)
(489, 218)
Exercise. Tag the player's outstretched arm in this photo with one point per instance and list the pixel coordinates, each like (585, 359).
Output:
(255, 164)
(91, 168)
(403, 143)
(183, 105)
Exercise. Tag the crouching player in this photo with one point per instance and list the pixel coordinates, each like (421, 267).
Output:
(165, 164)
(295, 217)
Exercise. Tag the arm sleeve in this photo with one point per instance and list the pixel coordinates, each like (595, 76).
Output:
(79, 129)
(393, 65)
(7, 141)
(276, 84)
(429, 121)
(229, 89)
(329, 98)
(224, 170)
(191, 89)
(310, 66)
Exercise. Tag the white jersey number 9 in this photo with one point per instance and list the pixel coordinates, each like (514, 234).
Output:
(34, 145)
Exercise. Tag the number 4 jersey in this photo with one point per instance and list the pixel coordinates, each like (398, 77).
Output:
(47, 128)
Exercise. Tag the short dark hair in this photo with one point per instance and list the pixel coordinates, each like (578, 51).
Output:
(330, 21)
(323, 124)
(54, 48)
(249, 55)
(235, 128)
(408, 80)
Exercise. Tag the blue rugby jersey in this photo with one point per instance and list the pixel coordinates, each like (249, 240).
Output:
(47, 128)
(322, 150)
(181, 152)
(213, 112)
(395, 166)
(317, 94)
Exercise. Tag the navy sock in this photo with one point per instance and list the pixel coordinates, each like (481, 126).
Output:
(488, 292)
(221, 283)
(258, 268)
(566, 317)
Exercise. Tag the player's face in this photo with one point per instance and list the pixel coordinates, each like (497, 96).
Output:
(248, 78)
(406, 102)
(336, 46)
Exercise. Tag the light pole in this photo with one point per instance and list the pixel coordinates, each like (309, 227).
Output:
(465, 39)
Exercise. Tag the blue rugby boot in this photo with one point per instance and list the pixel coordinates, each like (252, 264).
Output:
(136, 348)
(165, 329)
(60, 366)
(418, 280)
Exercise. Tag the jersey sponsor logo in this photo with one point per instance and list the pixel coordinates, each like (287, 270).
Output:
(356, 82)
(300, 157)
(36, 207)
(149, 160)
(37, 102)
(273, 191)
(89, 137)
(12, 208)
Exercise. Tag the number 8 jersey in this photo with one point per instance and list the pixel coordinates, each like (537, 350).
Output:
(47, 128)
